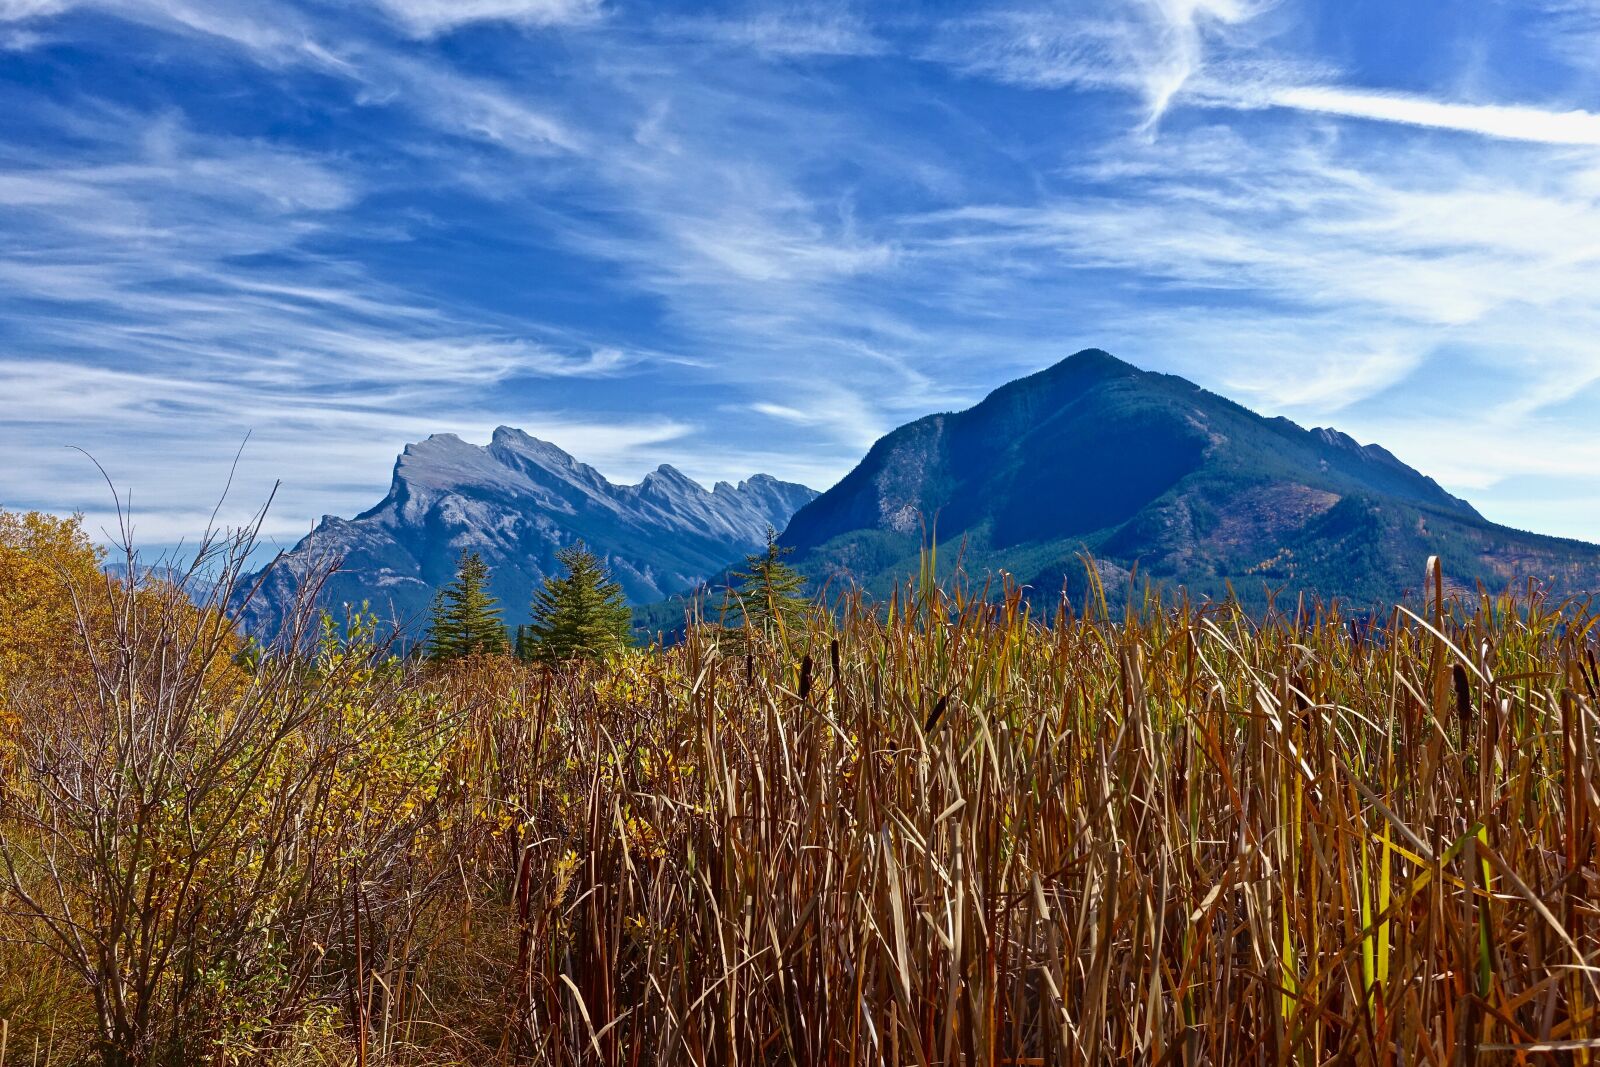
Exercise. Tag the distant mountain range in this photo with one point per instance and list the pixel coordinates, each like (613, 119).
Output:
(516, 502)
(1147, 469)
(1148, 473)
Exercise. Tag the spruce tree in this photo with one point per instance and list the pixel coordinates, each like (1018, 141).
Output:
(581, 614)
(466, 619)
(768, 594)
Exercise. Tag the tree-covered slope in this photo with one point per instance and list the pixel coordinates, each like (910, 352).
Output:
(1150, 471)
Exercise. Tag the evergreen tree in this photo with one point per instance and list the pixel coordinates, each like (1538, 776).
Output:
(524, 647)
(579, 615)
(768, 594)
(466, 619)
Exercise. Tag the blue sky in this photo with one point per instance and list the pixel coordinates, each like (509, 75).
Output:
(754, 237)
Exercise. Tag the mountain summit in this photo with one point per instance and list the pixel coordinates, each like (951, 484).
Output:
(1151, 470)
(516, 502)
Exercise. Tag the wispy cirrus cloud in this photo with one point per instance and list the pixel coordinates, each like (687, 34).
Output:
(1513, 122)
(17, 10)
(1149, 47)
(820, 405)
(1186, 53)
(1305, 225)
(788, 30)
(270, 32)
(1571, 29)
(171, 441)
(790, 214)
(273, 27)
(457, 104)
(310, 322)
(170, 434)
(277, 34)
(427, 18)
(164, 296)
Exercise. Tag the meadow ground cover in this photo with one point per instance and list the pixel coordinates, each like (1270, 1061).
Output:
(940, 830)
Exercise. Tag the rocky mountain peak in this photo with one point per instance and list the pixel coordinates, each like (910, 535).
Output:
(510, 441)
(443, 460)
(1153, 474)
(517, 502)
(669, 476)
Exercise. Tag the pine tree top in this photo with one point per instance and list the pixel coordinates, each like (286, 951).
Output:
(466, 619)
(579, 615)
(767, 594)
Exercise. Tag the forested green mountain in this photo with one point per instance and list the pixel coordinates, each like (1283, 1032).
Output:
(1151, 474)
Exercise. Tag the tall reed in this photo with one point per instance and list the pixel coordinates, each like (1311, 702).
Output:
(945, 830)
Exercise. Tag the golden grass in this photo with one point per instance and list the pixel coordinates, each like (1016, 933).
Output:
(955, 835)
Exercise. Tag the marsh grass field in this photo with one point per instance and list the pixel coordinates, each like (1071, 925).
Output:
(945, 830)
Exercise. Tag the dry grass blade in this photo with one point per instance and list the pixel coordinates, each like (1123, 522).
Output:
(942, 834)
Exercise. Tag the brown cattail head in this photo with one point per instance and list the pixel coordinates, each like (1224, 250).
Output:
(1463, 701)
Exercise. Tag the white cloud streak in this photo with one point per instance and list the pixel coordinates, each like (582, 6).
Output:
(17, 10)
(1509, 122)
(789, 31)
(429, 18)
(164, 301)
(1159, 50)
(1306, 277)
(1260, 244)
(1149, 47)
(283, 38)
(170, 439)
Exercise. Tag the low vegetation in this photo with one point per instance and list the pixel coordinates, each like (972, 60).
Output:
(934, 831)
